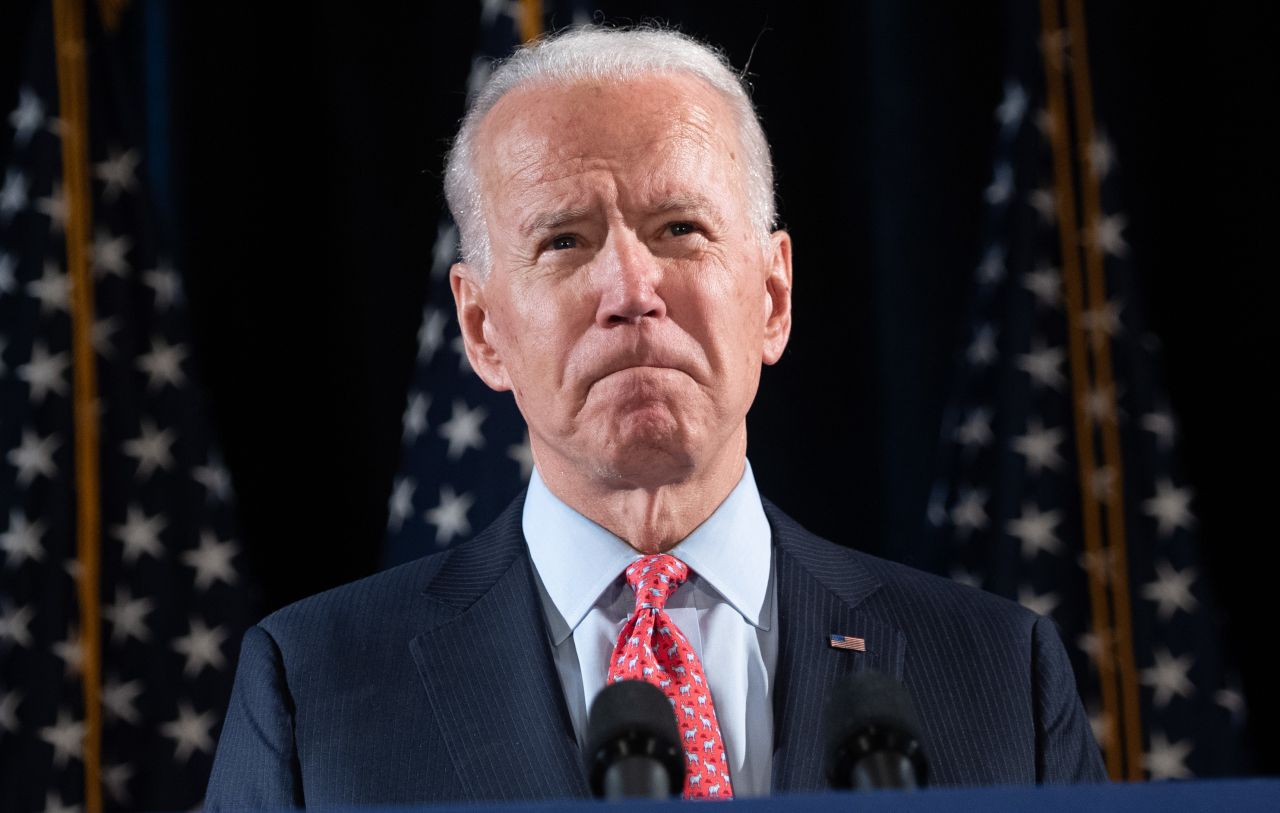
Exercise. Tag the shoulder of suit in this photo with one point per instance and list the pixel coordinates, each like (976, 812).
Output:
(380, 596)
(921, 594)
(398, 592)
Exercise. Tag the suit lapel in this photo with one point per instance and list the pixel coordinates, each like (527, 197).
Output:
(486, 665)
(821, 589)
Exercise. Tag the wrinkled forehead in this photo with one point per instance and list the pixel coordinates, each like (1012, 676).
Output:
(546, 132)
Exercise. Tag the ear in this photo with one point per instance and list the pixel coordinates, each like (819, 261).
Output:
(474, 317)
(777, 308)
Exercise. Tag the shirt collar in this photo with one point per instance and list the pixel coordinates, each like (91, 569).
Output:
(576, 559)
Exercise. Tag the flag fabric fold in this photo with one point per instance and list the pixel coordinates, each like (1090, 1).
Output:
(115, 704)
(1059, 483)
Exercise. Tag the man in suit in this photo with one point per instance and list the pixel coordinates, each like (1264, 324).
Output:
(623, 279)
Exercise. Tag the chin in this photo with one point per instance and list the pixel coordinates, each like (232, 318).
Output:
(649, 452)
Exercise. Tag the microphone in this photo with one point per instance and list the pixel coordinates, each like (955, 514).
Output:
(873, 735)
(633, 746)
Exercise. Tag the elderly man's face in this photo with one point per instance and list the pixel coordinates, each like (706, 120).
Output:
(630, 302)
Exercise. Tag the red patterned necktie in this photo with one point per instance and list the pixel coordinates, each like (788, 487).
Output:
(652, 648)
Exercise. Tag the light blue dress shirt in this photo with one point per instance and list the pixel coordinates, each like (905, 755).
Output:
(727, 610)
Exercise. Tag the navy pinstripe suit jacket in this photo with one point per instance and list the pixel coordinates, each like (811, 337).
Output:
(434, 681)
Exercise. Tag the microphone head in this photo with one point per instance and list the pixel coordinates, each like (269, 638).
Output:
(869, 712)
(631, 718)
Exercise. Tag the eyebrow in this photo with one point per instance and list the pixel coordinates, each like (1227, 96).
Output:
(686, 203)
(548, 221)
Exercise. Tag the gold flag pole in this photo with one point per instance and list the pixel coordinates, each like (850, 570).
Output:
(73, 106)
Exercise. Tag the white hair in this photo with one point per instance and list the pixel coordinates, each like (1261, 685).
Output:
(593, 53)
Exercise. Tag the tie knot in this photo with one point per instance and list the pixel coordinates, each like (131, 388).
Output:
(655, 578)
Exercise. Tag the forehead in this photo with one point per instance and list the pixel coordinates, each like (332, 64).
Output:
(655, 129)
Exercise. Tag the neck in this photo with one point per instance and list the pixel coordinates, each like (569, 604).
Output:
(651, 517)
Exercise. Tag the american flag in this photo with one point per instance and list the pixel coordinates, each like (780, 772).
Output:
(465, 449)
(848, 642)
(171, 595)
(1059, 483)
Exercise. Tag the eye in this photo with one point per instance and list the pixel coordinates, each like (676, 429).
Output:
(563, 241)
(681, 229)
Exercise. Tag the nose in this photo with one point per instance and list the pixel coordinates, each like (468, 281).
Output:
(629, 276)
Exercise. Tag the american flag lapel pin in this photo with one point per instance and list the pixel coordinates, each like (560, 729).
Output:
(848, 642)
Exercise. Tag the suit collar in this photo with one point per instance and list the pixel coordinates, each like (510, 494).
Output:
(485, 663)
(489, 641)
(822, 589)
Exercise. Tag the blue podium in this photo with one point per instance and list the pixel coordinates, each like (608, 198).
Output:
(1228, 795)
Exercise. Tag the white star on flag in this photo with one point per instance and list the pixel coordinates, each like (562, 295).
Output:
(100, 336)
(70, 651)
(982, 351)
(459, 346)
(53, 804)
(33, 457)
(431, 333)
(415, 417)
(1034, 530)
(27, 118)
(1100, 405)
(965, 577)
(1171, 591)
(1039, 447)
(1045, 283)
(202, 647)
(1107, 232)
(140, 534)
(45, 373)
(975, 431)
(450, 516)
(522, 453)
(128, 616)
(1101, 480)
(21, 540)
(190, 732)
(66, 736)
(15, 624)
(1160, 423)
(13, 195)
(163, 364)
(1012, 108)
(54, 207)
(1039, 603)
(1170, 507)
(1001, 187)
(166, 285)
(151, 449)
(1102, 155)
(216, 480)
(118, 173)
(445, 248)
(212, 561)
(1045, 202)
(1043, 364)
(991, 269)
(115, 778)
(1101, 323)
(118, 699)
(400, 506)
(110, 254)
(1167, 677)
(462, 430)
(1166, 760)
(969, 513)
(52, 289)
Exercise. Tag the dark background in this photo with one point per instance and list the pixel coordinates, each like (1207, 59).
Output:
(306, 157)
